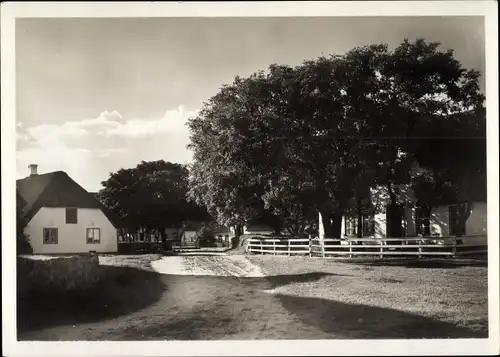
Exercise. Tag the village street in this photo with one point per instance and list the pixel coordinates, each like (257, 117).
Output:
(218, 296)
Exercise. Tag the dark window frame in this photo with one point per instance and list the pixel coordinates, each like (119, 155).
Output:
(422, 220)
(92, 240)
(368, 225)
(48, 236)
(350, 226)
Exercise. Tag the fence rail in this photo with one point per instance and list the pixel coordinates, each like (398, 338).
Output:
(382, 247)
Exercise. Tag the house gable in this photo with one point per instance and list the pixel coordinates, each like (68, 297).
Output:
(55, 189)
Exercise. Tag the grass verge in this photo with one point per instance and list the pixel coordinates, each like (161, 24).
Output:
(456, 294)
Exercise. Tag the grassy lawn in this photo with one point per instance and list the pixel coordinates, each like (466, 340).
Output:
(454, 294)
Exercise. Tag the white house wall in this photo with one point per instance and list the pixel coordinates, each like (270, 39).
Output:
(321, 229)
(440, 221)
(477, 222)
(189, 236)
(72, 238)
(411, 228)
(380, 225)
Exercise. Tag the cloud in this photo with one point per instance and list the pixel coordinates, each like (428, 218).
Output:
(173, 122)
(89, 149)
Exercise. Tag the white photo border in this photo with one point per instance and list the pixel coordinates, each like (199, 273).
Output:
(12, 10)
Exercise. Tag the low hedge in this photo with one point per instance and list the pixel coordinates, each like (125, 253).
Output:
(56, 274)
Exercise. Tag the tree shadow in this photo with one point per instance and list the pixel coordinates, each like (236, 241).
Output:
(282, 280)
(369, 322)
(421, 263)
(202, 253)
(121, 291)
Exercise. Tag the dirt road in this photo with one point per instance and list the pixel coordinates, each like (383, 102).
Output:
(202, 297)
(212, 297)
(208, 265)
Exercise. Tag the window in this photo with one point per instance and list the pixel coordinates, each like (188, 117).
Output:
(93, 235)
(71, 216)
(351, 225)
(422, 221)
(50, 236)
(368, 226)
(456, 227)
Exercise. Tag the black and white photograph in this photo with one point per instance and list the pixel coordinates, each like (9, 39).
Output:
(182, 176)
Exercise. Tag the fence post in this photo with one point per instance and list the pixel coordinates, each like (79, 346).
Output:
(310, 246)
(274, 247)
(419, 248)
(261, 247)
(381, 251)
(322, 245)
(350, 248)
(288, 244)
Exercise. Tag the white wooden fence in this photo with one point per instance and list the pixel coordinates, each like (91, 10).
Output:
(381, 247)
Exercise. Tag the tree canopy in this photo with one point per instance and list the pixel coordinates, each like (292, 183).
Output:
(152, 195)
(314, 137)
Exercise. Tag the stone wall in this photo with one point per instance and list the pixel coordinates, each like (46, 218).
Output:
(56, 274)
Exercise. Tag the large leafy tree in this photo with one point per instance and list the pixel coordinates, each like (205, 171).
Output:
(153, 195)
(453, 161)
(319, 134)
(407, 100)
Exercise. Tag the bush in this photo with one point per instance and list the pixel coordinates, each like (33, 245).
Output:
(23, 244)
(56, 274)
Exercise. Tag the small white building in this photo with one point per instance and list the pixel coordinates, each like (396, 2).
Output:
(63, 218)
(257, 229)
(412, 220)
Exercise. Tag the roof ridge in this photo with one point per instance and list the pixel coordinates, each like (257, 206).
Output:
(44, 174)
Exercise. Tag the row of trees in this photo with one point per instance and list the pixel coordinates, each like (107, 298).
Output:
(151, 197)
(289, 142)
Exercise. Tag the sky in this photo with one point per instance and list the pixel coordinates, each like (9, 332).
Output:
(96, 95)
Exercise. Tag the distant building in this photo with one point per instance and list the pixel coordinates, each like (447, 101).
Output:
(63, 218)
(411, 220)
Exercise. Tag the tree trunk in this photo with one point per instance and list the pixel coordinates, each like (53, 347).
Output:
(277, 226)
(238, 231)
(302, 230)
(463, 215)
(326, 221)
(332, 223)
(337, 224)
(163, 236)
(359, 218)
(392, 196)
(393, 215)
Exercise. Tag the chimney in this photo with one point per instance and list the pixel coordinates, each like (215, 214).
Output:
(33, 169)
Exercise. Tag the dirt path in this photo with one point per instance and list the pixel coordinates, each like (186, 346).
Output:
(208, 265)
(205, 297)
